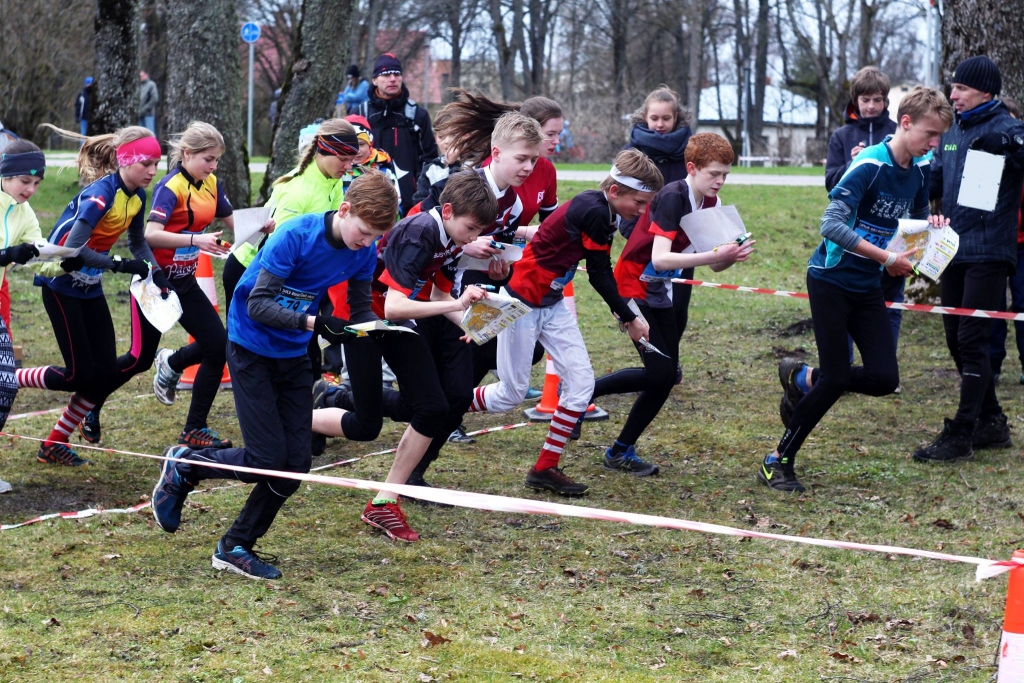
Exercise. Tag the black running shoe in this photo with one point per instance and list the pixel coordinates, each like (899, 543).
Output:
(952, 445)
(553, 479)
(244, 562)
(57, 453)
(774, 477)
(460, 436)
(90, 427)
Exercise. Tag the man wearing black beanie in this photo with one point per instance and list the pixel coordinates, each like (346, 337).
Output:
(976, 278)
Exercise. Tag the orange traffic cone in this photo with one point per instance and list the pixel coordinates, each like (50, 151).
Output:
(543, 411)
(1011, 647)
(204, 276)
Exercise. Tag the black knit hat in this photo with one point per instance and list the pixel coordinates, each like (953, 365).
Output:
(387, 63)
(353, 71)
(980, 73)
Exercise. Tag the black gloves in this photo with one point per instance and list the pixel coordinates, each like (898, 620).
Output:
(19, 253)
(161, 281)
(333, 329)
(73, 263)
(133, 267)
(998, 143)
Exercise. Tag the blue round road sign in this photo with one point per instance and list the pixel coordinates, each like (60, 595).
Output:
(250, 32)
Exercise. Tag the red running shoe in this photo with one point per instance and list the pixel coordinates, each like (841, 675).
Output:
(390, 519)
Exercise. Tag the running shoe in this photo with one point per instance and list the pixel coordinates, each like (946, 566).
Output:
(58, 453)
(460, 436)
(991, 431)
(170, 491)
(533, 394)
(390, 519)
(90, 427)
(577, 429)
(774, 477)
(244, 562)
(165, 381)
(5, 486)
(203, 437)
(791, 393)
(554, 479)
(322, 393)
(953, 444)
(630, 463)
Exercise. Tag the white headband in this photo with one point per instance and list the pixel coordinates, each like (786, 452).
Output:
(629, 181)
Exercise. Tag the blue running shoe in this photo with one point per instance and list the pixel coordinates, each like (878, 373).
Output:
(170, 491)
(244, 562)
(90, 427)
(629, 462)
(533, 394)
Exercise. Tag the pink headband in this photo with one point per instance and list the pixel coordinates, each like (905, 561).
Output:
(135, 151)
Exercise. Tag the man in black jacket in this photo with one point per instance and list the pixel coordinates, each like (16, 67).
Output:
(976, 278)
(83, 107)
(400, 126)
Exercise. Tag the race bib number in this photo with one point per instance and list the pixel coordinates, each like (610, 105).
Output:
(295, 299)
(874, 234)
(87, 277)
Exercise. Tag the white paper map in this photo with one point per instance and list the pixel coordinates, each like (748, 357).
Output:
(979, 184)
(709, 228)
(363, 329)
(483, 320)
(53, 252)
(161, 313)
(935, 247)
(510, 254)
(249, 222)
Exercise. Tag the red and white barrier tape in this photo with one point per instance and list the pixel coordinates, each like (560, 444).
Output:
(91, 512)
(924, 308)
(985, 568)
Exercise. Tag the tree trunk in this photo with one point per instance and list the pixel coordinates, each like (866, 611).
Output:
(204, 83)
(117, 66)
(760, 78)
(311, 84)
(372, 23)
(985, 27)
(506, 52)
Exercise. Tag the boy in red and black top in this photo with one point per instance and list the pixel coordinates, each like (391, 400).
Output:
(652, 256)
(433, 367)
(580, 229)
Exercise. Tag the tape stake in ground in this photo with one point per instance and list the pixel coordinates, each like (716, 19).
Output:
(984, 567)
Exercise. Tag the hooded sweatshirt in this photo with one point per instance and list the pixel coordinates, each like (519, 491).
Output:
(858, 130)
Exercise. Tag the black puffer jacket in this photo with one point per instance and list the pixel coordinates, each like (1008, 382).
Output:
(858, 130)
(984, 235)
(402, 129)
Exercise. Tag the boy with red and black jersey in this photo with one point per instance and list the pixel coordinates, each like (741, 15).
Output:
(581, 229)
(433, 367)
(652, 256)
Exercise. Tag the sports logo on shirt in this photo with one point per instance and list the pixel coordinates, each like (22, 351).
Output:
(540, 196)
(158, 212)
(100, 201)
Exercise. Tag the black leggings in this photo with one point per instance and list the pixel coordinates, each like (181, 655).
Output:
(836, 312)
(233, 271)
(655, 379)
(85, 335)
(972, 285)
(200, 319)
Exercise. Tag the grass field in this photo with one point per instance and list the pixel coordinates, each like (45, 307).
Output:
(502, 597)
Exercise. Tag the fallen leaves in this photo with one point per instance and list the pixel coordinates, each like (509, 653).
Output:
(433, 640)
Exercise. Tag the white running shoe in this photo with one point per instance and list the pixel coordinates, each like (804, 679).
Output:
(165, 382)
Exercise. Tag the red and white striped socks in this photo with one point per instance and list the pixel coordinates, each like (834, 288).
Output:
(479, 404)
(31, 378)
(561, 426)
(70, 419)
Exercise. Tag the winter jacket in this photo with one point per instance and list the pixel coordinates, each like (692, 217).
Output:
(351, 97)
(148, 97)
(83, 105)
(858, 130)
(666, 150)
(436, 169)
(985, 236)
(402, 129)
(18, 224)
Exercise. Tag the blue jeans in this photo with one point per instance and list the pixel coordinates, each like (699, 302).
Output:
(997, 344)
(83, 127)
(148, 122)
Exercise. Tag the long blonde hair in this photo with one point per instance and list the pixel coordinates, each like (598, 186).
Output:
(196, 137)
(328, 127)
(98, 155)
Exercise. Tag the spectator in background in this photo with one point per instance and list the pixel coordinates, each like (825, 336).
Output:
(83, 107)
(355, 93)
(148, 98)
(400, 126)
(565, 143)
(272, 113)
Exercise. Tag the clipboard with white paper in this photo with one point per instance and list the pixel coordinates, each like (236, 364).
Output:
(979, 184)
(709, 228)
(249, 222)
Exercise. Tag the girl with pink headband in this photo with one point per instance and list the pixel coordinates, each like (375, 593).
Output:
(117, 168)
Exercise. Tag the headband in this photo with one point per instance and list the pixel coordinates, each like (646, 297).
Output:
(337, 145)
(26, 163)
(629, 181)
(135, 151)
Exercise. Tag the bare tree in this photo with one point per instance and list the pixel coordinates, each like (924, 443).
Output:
(206, 73)
(311, 83)
(117, 65)
(460, 16)
(989, 27)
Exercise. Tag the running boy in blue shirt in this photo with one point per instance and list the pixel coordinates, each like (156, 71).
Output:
(270, 324)
(844, 277)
